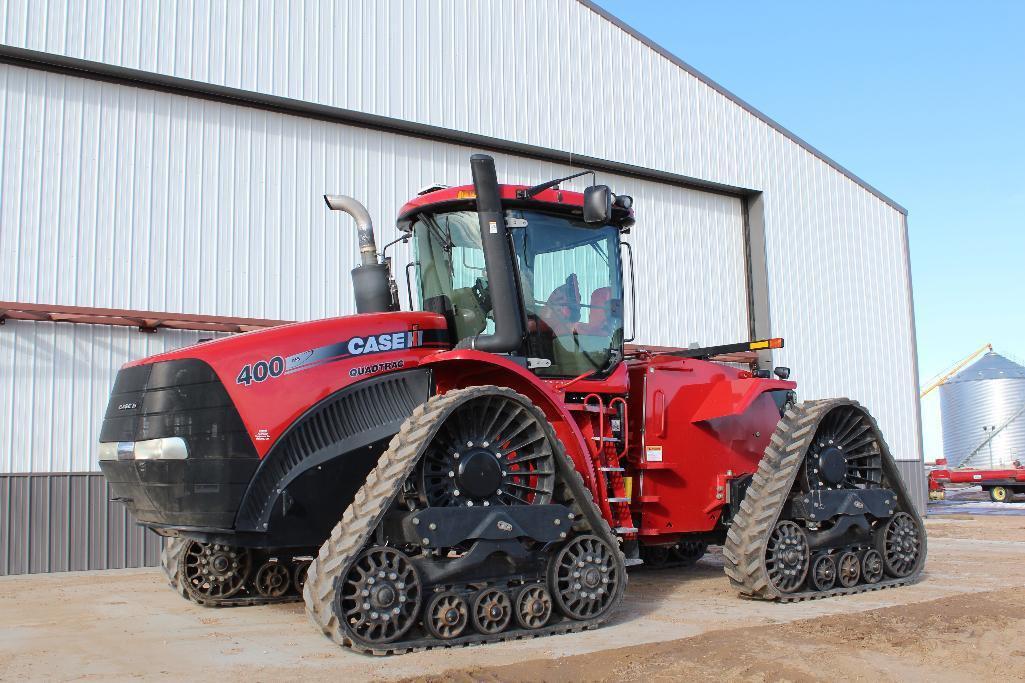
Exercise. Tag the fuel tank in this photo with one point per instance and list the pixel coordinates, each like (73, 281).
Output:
(703, 428)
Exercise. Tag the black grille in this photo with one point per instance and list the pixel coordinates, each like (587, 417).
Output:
(183, 398)
(355, 417)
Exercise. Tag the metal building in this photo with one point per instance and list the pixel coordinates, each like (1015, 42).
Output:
(170, 157)
(983, 414)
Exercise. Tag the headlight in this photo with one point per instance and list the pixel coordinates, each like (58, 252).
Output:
(168, 448)
(108, 451)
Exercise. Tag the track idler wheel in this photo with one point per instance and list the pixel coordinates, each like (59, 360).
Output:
(787, 557)
(446, 616)
(492, 611)
(273, 580)
(379, 597)
(533, 607)
(210, 572)
(900, 545)
(584, 577)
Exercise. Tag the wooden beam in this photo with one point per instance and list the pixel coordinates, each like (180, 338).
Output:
(145, 321)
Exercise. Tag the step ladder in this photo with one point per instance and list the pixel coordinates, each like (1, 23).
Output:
(607, 453)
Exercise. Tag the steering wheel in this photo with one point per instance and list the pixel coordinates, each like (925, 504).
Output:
(482, 293)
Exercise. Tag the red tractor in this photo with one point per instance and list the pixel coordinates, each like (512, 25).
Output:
(489, 466)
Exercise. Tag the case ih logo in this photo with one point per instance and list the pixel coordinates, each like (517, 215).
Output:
(262, 370)
(128, 406)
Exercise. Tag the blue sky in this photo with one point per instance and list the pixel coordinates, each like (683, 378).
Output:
(925, 101)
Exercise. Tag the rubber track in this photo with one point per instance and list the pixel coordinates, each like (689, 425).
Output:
(373, 500)
(744, 550)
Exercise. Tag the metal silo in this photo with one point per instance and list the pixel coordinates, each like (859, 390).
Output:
(983, 411)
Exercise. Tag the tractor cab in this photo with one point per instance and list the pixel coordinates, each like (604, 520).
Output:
(561, 263)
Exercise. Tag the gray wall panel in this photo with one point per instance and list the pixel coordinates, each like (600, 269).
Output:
(916, 482)
(65, 522)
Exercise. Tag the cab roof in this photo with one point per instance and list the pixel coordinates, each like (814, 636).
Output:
(465, 197)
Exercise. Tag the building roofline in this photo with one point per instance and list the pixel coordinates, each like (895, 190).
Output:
(619, 23)
(138, 78)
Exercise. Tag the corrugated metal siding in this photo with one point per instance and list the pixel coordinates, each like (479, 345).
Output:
(840, 289)
(66, 522)
(119, 197)
(55, 379)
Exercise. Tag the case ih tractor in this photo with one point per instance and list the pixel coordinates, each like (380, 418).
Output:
(488, 467)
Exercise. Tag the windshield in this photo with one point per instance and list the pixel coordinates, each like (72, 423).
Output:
(570, 281)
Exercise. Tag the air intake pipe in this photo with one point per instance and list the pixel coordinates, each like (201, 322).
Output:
(371, 280)
(498, 259)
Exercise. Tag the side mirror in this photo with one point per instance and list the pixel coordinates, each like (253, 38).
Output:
(597, 204)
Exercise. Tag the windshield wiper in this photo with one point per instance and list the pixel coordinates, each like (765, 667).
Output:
(432, 225)
(537, 189)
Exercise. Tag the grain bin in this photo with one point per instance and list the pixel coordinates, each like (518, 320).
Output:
(983, 412)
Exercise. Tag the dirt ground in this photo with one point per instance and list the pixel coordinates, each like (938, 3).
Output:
(964, 621)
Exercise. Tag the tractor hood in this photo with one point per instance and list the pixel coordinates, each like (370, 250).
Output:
(271, 376)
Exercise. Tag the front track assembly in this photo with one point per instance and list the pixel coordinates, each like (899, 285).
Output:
(826, 513)
(474, 527)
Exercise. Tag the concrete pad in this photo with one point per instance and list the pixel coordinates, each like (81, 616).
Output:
(128, 624)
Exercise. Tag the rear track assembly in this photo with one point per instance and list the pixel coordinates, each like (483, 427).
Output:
(775, 551)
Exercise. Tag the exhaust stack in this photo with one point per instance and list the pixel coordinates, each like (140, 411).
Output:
(498, 259)
(371, 280)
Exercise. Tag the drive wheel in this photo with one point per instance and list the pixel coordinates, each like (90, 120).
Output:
(872, 566)
(848, 569)
(492, 450)
(492, 611)
(211, 571)
(446, 616)
(787, 557)
(273, 580)
(900, 544)
(999, 494)
(533, 607)
(584, 578)
(846, 453)
(823, 573)
(379, 597)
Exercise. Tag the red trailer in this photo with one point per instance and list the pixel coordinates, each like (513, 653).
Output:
(1001, 484)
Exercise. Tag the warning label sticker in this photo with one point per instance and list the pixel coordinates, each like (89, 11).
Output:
(653, 453)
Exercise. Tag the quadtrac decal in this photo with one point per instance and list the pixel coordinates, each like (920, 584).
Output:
(262, 370)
